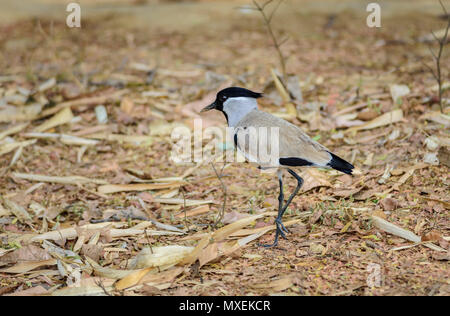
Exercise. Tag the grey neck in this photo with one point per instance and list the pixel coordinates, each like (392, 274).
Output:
(237, 108)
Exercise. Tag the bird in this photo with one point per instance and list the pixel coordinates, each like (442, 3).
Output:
(292, 146)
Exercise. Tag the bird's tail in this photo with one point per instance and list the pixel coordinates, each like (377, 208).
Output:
(340, 164)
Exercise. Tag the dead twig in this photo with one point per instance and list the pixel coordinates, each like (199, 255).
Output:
(183, 192)
(437, 73)
(224, 189)
(100, 284)
(267, 20)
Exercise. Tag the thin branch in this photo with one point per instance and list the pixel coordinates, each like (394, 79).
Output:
(443, 8)
(283, 41)
(430, 69)
(435, 37)
(441, 41)
(432, 52)
(224, 189)
(148, 241)
(100, 284)
(184, 207)
(266, 3)
(267, 21)
(274, 10)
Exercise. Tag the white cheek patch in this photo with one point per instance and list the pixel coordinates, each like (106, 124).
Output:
(237, 108)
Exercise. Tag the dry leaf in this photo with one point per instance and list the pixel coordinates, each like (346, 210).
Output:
(194, 212)
(194, 254)
(398, 91)
(137, 140)
(233, 216)
(20, 114)
(114, 188)
(227, 230)
(94, 286)
(348, 192)
(394, 229)
(127, 105)
(13, 130)
(163, 277)
(108, 272)
(280, 87)
(27, 253)
(26, 266)
(208, 254)
(109, 96)
(437, 117)
(33, 291)
(389, 204)
(95, 252)
(276, 285)
(385, 119)
(160, 256)
(432, 236)
(9, 147)
(62, 180)
(182, 201)
(20, 212)
(313, 179)
(132, 278)
(367, 114)
(409, 172)
(61, 118)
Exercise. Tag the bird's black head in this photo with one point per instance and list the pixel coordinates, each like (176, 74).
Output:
(228, 93)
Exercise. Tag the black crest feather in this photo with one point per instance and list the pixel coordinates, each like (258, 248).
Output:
(236, 92)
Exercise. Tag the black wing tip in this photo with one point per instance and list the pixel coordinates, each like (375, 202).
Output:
(340, 164)
(294, 162)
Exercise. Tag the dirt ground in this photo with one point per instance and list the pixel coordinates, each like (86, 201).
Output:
(114, 215)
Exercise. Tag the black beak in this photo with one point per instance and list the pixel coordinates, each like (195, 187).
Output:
(212, 106)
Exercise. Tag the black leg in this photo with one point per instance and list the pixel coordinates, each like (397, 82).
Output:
(281, 196)
(280, 210)
(281, 230)
(299, 185)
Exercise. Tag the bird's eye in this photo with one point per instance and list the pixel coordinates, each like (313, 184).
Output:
(224, 97)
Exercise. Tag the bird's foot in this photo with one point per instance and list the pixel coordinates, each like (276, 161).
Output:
(280, 231)
(282, 228)
(274, 244)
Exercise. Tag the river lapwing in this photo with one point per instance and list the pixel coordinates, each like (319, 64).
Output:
(290, 146)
